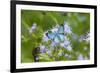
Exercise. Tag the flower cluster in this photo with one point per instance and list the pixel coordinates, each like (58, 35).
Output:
(34, 25)
(66, 44)
(67, 29)
(56, 40)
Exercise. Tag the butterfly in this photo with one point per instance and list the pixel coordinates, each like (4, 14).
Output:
(56, 34)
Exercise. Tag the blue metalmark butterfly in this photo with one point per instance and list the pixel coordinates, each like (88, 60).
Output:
(56, 34)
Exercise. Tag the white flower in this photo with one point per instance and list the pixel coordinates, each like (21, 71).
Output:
(66, 42)
(81, 18)
(45, 38)
(42, 49)
(32, 28)
(68, 56)
(67, 29)
(42, 46)
(54, 44)
(66, 45)
(85, 38)
(75, 37)
(37, 58)
(49, 52)
(69, 48)
(80, 57)
(62, 44)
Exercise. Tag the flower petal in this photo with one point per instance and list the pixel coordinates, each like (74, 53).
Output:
(67, 29)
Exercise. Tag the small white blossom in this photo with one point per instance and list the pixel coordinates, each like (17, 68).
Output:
(42, 49)
(69, 48)
(80, 57)
(81, 18)
(54, 44)
(62, 44)
(68, 56)
(85, 38)
(37, 58)
(45, 38)
(75, 37)
(66, 44)
(49, 52)
(42, 46)
(32, 28)
(67, 29)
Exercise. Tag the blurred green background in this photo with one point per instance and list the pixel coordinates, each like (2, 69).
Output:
(45, 20)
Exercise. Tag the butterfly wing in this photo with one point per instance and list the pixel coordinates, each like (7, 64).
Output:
(61, 33)
(61, 37)
(50, 35)
(56, 39)
(61, 29)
